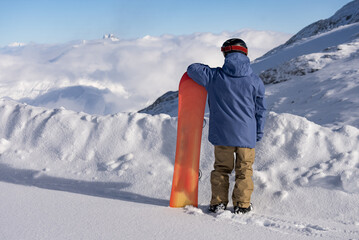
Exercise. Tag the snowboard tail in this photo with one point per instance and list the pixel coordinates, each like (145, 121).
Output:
(191, 106)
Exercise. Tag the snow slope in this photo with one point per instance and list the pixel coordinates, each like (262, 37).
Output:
(323, 86)
(316, 43)
(35, 213)
(306, 176)
(348, 14)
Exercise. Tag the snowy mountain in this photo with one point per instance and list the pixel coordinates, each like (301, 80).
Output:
(111, 36)
(346, 15)
(320, 70)
(315, 44)
(310, 63)
(167, 104)
(321, 36)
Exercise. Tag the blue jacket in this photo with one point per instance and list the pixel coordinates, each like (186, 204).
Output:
(235, 99)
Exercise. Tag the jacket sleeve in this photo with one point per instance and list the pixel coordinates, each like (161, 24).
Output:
(200, 73)
(260, 109)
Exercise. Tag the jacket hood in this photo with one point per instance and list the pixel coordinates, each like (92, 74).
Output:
(237, 65)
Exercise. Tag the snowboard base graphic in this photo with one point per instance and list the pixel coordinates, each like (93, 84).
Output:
(191, 106)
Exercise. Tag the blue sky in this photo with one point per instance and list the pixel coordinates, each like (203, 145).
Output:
(56, 21)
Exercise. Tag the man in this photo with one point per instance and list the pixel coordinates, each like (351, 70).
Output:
(237, 116)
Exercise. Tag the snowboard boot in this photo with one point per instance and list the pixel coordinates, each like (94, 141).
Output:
(217, 207)
(239, 210)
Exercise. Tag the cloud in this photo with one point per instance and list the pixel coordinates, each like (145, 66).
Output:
(134, 71)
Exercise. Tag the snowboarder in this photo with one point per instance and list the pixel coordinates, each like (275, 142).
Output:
(237, 116)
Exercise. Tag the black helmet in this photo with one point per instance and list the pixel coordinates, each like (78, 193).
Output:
(234, 45)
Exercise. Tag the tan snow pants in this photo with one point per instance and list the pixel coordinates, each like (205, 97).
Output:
(223, 166)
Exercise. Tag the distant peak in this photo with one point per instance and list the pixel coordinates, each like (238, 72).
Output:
(111, 37)
(16, 44)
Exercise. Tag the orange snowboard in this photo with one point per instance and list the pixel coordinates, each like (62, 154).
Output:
(191, 106)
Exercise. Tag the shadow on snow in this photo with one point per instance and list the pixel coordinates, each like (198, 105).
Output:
(111, 190)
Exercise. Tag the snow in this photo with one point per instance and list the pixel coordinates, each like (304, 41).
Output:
(64, 215)
(327, 96)
(313, 44)
(348, 14)
(310, 63)
(119, 168)
(72, 167)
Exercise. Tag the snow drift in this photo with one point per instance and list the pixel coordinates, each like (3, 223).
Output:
(127, 151)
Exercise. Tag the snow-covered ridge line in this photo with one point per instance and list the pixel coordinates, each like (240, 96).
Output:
(81, 146)
(310, 63)
(314, 44)
(348, 14)
(167, 104)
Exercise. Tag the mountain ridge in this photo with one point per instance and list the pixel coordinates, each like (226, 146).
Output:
(348, 14)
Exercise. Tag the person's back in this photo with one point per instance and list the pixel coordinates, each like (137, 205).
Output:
(237, 114)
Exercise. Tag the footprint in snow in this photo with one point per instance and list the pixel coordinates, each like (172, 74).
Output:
(121, 164)
(4, 145)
